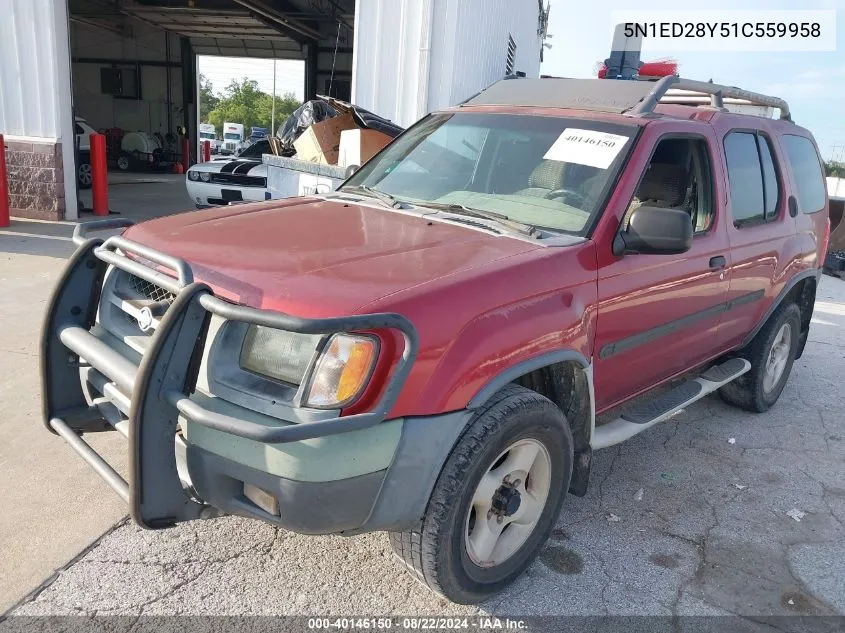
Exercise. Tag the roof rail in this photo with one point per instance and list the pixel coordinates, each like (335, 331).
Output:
(717, 95)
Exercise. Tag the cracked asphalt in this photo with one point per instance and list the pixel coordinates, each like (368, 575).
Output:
(690, 518)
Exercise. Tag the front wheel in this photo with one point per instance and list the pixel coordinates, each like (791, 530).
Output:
(771, 354)
(496, 499)
(124, 162)
(83, 173)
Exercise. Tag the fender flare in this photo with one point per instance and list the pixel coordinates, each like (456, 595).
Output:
(814, 273)
(520, 369)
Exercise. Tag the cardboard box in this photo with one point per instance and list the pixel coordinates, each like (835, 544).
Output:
(320, 143)
(357, 146)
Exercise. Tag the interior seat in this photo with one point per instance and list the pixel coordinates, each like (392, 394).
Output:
(663, 185)
(546, 177)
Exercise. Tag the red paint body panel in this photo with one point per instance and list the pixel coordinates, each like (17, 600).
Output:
(315, 258)
(483, 303)
(641, 292)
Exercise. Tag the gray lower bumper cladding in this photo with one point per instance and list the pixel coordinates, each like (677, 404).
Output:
(157, 391)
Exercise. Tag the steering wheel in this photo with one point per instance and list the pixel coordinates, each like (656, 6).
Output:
(576, 197)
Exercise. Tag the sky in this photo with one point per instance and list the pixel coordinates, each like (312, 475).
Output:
(813, 83)
(290, 74)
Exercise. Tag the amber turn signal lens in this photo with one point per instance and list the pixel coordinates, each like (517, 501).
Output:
(342, 371)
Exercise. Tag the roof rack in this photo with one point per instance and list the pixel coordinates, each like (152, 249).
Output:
(717, 94)
(631, 97)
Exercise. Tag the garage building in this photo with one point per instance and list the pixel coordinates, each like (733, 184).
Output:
(132, 64)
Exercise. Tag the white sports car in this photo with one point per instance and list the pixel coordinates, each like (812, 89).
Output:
(230, 179)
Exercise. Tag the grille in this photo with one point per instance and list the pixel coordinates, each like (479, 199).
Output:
(239, 179)
(149, 290)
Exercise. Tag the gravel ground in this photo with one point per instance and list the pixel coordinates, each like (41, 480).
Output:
(689, 518)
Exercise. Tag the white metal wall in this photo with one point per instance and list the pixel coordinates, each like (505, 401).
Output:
(415, 56)
(29, 74)
(470, 45)
(35, 93)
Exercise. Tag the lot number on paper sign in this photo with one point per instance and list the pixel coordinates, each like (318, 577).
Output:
(586, 147)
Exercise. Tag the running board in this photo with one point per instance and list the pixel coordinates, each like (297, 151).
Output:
(645, 415)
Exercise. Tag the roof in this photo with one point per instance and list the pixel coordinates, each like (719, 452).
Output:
(631, 97)
(599, 95)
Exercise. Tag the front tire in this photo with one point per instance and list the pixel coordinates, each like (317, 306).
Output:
(124, 162)
(771, 354)
(84, 175)
(496, 499)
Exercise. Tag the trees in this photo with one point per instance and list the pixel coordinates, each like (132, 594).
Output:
(834, 169)
(208, 100)
(243, 102)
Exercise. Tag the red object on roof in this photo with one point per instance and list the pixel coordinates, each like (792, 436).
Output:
(659, 68)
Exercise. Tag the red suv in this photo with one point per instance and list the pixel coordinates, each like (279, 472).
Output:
(425, 350)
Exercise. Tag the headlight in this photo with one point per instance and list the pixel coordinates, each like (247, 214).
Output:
(342, 371)
(205, 176)
(193, 175)
(278, 354)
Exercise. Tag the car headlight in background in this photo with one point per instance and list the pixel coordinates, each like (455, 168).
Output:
(342, 371)
(193, 175)
(205, 176)
(278, 354)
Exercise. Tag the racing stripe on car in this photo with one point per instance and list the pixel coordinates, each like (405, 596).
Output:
(245, 167)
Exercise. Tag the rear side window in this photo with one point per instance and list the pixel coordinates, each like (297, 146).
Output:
(755, 191)
(807, 171)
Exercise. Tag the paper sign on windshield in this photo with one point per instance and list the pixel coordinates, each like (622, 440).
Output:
(586, 147)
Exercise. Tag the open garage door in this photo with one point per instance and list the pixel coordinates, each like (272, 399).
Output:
(134, 67)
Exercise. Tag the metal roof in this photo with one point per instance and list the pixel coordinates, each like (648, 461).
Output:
(633, 97)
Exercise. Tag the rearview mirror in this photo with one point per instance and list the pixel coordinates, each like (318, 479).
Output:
(655, 231)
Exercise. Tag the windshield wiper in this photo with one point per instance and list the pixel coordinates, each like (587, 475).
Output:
(390, 200)
(501, 218)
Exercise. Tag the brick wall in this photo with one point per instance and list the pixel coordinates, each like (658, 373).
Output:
(36, 179)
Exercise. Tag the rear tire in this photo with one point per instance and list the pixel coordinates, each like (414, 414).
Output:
(446, 553)
(771, 354)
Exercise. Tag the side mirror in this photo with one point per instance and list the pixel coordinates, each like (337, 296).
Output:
(351, 169)
(655, 231)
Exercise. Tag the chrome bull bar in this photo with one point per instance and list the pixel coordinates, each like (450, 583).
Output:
(157, 391)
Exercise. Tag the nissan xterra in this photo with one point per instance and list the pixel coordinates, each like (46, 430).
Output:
(425, 350)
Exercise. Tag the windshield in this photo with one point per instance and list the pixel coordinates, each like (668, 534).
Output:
(548, 172)
(231, 136)
(208, 135)
(256, 150)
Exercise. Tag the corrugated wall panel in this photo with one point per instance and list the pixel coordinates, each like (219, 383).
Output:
(467, 52)
(29, 81)
(471, 43)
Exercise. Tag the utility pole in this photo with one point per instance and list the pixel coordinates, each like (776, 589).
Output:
(273, 109)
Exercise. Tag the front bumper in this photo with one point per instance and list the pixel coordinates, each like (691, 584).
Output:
(205, 194)
(148, 396)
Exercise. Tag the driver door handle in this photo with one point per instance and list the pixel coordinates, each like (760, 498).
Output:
(718, 262)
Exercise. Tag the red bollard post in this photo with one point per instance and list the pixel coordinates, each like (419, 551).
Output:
(186, 153)
(5, 220)
(99, 174)
(206, 151)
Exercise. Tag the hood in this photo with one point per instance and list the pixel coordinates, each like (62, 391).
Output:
(228, 165)
(315, 258)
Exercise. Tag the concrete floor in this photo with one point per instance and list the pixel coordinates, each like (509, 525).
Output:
(141, 195)
(679, 520)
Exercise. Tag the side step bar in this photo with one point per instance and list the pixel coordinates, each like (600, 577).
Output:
(645, 415)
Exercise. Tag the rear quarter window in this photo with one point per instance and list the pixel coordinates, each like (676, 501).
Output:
(807, 172)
